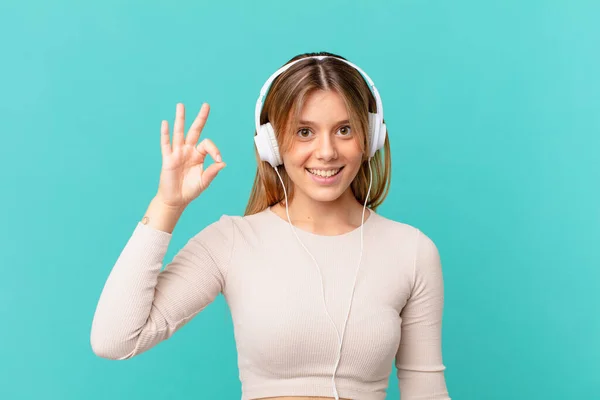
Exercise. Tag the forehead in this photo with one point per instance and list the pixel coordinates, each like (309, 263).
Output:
(323, 106)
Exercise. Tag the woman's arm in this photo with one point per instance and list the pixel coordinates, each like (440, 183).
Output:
(419, 356)
(141, 305)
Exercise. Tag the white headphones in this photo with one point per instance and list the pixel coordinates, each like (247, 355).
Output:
(268, 150)
(266, 141)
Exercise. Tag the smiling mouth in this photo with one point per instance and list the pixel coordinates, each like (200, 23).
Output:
(322, 174)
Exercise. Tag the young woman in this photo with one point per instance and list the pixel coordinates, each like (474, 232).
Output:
(325, 294)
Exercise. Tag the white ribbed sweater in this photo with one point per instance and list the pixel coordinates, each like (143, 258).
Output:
(286, 344)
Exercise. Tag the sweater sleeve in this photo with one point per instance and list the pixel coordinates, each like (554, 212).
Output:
(140, 305)
(419, 357)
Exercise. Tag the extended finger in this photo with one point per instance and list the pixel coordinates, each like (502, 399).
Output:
(165, 145)
(178, 126)
(208, 147)
(198, 125)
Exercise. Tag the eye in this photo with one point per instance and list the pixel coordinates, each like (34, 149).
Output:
(303, 133)
(345, 130)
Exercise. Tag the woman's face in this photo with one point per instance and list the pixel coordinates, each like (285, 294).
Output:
(325, 155)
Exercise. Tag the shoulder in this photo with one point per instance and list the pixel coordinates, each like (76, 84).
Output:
(228, 226)
(220, 231)
(396, 232)
(423, 254)
(393, 230)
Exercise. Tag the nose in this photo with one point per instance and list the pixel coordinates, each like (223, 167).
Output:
(326, 149)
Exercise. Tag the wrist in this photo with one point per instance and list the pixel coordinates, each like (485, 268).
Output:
(165, 207)
(162, 216)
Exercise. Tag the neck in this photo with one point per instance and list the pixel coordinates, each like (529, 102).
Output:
(323, 216)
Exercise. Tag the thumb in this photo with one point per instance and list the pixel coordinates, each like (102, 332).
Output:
(211, 172)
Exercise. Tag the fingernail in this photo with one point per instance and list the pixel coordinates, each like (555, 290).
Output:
(219, 158)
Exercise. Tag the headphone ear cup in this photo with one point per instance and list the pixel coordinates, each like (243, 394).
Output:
(266, 145)
(273, 143)
(373, 133)
(377, 133)
(382, 136)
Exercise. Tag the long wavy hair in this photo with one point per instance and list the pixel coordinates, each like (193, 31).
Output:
(282, 107)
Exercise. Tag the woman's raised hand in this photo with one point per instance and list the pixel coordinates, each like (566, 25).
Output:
(183, 176)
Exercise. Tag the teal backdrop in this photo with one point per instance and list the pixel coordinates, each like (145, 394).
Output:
(493, 111)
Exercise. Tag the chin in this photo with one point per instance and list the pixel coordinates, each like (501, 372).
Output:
(325, 197)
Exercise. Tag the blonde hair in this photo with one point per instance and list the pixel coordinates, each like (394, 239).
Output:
(282, 107)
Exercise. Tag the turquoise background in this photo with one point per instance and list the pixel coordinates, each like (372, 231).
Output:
(493, 109)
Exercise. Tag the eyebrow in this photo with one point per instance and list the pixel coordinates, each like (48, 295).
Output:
(314, 123)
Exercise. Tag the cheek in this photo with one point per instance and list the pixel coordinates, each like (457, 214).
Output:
(297, 158)
(353, 167)
(354, 155)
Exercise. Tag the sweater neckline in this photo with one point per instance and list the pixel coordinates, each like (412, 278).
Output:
(368, 221)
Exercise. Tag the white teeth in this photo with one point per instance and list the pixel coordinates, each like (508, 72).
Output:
(325, 174)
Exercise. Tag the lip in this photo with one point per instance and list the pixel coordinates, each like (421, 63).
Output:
(332, 180)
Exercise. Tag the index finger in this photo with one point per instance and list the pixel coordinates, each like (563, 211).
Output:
(198, 125)
(208, 147)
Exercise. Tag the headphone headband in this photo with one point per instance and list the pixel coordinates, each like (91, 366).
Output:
(267, 85)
